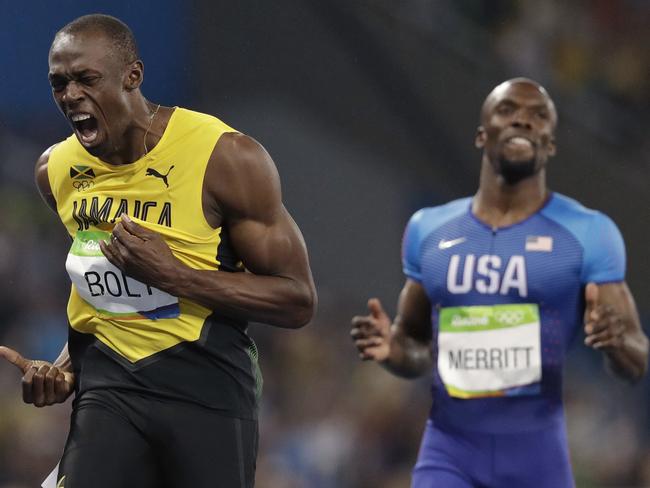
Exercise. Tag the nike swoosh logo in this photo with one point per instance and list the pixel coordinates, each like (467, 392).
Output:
(443, 244)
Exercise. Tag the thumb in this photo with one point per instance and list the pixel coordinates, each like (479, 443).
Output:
(376, 310)
(15, 358)
(591, 296)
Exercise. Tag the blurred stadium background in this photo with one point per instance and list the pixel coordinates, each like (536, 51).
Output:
(369, 109)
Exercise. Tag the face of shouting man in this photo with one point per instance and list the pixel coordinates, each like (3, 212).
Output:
(95, 85)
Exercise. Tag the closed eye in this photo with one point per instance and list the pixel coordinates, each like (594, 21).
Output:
(58, 83)
(89, 80)
(505, 108)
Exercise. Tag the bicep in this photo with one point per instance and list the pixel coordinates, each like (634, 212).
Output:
(414, 312)
(246, 188)
(270, 246)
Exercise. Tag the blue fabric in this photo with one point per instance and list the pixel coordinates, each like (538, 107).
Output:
(604, 249)
(456, 459)
(546, 259)
(421, 224)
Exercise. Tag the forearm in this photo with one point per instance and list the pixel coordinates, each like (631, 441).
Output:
(630, 360)
(274, 300)
(408, 358)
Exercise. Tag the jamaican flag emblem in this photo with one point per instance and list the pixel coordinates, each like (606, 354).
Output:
(81, 172)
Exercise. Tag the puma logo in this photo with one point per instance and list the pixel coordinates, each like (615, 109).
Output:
(154, 173)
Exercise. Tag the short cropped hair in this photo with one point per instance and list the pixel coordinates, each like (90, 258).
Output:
(114, 29)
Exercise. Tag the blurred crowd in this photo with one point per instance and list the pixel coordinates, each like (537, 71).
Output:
(595, 45)
(594, 51)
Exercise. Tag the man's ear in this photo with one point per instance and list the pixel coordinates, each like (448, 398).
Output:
(134, 75)
(479, 141)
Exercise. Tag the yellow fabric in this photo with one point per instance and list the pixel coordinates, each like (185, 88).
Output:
(83, 185)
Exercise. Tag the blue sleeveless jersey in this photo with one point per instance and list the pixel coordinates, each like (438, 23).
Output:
(546, 260)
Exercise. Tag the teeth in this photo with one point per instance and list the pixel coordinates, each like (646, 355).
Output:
(520, 140)
(79, 117)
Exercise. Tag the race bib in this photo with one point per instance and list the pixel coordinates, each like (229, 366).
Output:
(106, 288)
(486, 351)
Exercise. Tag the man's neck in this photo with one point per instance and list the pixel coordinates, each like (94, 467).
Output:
(131, 143)
(500, 204)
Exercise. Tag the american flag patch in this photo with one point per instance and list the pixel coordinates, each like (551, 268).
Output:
(539, 243)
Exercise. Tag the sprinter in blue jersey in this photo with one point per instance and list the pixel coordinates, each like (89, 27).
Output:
(497, 287)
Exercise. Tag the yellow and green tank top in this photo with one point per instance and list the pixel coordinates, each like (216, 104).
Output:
(134, 325)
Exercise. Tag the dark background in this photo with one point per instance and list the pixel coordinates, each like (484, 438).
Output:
(369, 109)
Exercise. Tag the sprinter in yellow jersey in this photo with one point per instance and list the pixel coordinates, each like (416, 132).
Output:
(179, 238)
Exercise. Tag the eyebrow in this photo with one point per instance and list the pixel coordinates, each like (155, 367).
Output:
(510, 101)
(75, 74)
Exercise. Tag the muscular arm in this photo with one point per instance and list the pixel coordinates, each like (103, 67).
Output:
(612, 325)
(244, 187)
(241, 192)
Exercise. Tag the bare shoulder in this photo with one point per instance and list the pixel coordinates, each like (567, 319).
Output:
(242, 177)
(44, 158)
(42, 179)
(240, 153)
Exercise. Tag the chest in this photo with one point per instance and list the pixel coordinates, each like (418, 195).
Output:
(468, 263)
(159, 193)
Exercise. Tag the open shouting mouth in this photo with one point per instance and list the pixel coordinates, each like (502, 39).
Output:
(85, 126)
